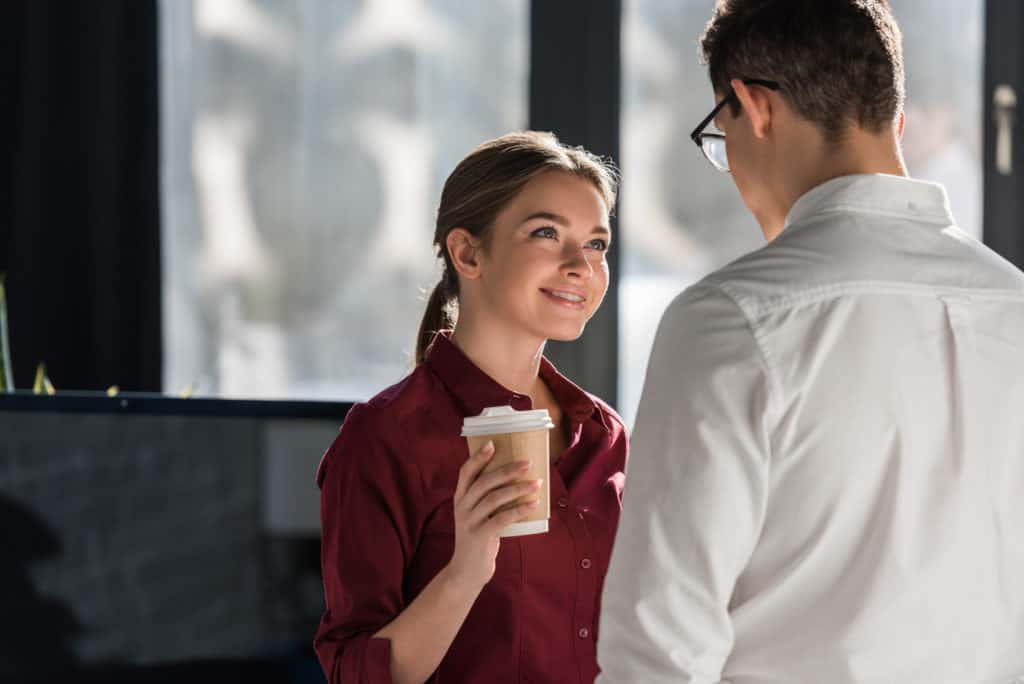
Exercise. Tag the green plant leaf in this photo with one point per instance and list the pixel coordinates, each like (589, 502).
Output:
(6, 377)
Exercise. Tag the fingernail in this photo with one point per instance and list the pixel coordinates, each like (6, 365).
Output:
(523, 465)
(489, 447)
(537, 484)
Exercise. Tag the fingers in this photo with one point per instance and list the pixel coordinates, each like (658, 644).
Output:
(472, 468)
(487, 482)
(518, 493)
(513, 515)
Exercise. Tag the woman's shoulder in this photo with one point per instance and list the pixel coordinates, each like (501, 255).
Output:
(611, 417)
(568, 393)
(615, 445)
(394, 404)
(374, 429)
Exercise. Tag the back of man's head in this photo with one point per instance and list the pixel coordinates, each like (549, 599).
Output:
(838, 62)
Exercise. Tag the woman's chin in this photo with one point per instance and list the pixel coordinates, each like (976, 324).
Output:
(566, 333)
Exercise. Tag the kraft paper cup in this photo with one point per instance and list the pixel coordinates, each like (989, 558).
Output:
(517, 436)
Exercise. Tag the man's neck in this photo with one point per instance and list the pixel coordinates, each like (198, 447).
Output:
(860, 152)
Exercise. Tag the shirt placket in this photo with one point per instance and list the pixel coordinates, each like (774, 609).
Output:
(573, 515)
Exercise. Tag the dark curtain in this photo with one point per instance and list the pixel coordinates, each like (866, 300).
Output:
(79, 191)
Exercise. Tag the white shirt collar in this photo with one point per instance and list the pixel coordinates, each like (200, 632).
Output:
(876, 193)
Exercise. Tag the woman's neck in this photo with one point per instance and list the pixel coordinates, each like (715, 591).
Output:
(512, 360)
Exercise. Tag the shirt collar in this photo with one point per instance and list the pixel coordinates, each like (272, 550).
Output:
(874, 193)
(476, 390)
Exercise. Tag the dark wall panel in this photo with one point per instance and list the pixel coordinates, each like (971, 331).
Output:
(575, 84)
(1004, 66)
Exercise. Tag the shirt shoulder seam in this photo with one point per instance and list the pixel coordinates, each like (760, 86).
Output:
(372, 415)
(774, 396)
(757, 310)
(774, 403)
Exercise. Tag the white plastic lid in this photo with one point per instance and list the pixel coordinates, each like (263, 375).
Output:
(498, 419)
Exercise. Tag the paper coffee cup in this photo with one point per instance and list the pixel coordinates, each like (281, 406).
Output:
(517, 436)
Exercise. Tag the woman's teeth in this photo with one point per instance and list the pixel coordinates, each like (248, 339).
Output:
(566, 295)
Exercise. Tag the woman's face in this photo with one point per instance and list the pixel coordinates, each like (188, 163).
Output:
(544, 268)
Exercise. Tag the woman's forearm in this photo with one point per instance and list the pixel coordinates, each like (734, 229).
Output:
(422, 633)
(483, 504)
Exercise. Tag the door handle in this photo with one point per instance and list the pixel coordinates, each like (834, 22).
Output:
(1004, 101)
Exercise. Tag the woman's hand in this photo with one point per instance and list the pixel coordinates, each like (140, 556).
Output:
(477, 518)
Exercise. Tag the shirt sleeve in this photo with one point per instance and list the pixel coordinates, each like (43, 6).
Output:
(694, 498)
(370, 502)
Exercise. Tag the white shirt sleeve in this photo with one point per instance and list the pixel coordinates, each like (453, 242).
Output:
(694, 500)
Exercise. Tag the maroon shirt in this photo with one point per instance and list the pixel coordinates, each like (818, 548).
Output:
(386, 508)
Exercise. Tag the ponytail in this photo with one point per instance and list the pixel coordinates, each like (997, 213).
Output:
(437, 317)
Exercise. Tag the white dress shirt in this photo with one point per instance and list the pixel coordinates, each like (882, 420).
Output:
(826, 480)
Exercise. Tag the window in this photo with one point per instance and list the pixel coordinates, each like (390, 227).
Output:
(305, 143)
(681, 219)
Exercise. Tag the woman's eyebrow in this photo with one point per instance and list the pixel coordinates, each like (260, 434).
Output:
(547, 216)
(561, 220)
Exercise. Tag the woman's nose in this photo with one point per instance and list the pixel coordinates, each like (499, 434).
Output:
(575, 262)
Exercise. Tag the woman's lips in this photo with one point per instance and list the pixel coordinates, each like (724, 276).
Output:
(562, 301)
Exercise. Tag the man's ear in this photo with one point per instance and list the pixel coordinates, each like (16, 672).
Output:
(757, 104)
(901, 121)
(464, 250)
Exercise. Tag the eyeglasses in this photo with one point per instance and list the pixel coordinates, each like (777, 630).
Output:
(713, 144)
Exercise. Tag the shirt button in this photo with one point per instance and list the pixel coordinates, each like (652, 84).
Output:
(583, 633)
(563, 503)
(585, 563)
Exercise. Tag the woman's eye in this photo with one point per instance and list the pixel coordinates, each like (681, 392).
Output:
(545, 232)
(599, 245)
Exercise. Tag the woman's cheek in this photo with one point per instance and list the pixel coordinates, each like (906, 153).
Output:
(604, 271)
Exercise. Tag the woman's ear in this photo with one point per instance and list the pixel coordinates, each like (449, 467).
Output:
(757, 104)
(464, 250)
(900, 123)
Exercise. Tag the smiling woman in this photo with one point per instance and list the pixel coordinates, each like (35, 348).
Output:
(422, 589)
(517, 190)
(543, 275)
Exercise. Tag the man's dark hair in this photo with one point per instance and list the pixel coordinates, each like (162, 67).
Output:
(837, 62)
